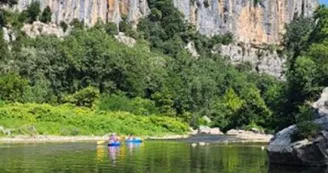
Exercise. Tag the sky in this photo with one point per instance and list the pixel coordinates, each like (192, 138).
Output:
(324, 1)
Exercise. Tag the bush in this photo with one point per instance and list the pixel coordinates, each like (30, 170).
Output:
(70, 120)
(3, 20)
(306, 130)
(12, 87)
(85, 97)
(33, 11)
(77, 24)
(111, 28)
(63, 25)
(46, 15)
(120, 102)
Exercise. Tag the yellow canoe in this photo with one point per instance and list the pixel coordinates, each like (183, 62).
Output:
(100, 142)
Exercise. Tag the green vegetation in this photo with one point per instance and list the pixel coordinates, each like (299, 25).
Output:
(307, 48)
(33, 119)
(91, 70)
(46, 15)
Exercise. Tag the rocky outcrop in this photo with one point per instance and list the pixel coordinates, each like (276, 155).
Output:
(90, 11)
(208, 130)
(306, 152)
(262, 60)
(191, 48)
(321, 106)
(128, 41)
(38, 28)
(251, 21)
(250, 136)
(8, 34)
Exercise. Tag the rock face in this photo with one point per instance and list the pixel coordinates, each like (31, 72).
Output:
(90, 11)
(282, 150)
(263, 61)
(38, 28)
(130, 42)
(322, 104)
(249, 20)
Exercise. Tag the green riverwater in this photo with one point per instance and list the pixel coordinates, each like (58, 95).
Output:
(150, 157)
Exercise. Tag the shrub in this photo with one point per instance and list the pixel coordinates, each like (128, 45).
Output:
(46, 15)
(33, 11)
(77, 24)
(306, 130)
(111, 28)
(12, 87)
(63, 25)
(70, 120)
(120, 102)
(85, 97)
(3, 20)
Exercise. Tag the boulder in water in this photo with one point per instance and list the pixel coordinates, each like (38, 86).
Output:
(284, 150)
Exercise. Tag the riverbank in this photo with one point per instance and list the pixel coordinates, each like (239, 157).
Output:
(69, 120)
(72, 139)
(257, 138)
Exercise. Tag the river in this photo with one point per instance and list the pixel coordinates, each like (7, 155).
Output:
(149, 157)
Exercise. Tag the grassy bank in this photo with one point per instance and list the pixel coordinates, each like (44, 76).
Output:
(68, 120)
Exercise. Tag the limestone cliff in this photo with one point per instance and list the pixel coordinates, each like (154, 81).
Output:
(250, 22)
(90, 11)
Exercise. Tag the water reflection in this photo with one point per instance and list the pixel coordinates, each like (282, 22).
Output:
(290, 169)
(113, 153)
(150, 157)
(100, 153)
(132, 147)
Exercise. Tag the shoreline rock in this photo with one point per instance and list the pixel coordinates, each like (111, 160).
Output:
(283, 150)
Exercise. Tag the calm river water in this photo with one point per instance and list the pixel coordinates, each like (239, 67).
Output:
(150, 157)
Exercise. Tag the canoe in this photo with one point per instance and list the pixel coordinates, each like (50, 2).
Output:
(100, 142)
(114, 144)
(134, 141)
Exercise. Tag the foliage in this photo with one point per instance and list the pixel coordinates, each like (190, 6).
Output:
(111, 28)
(63, 25)
(120, 102)
(307, 62)
(306, 130)
(85, 97)
(70, 120)
(46, 15)
(32, 11)
(12, 87)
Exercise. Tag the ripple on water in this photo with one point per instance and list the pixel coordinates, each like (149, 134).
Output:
(150, 157)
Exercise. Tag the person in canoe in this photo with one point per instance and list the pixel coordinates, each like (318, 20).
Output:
(113, 138)
(130, 137)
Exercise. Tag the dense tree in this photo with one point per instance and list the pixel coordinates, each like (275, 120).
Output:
(158, 76)
(46, 15)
